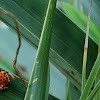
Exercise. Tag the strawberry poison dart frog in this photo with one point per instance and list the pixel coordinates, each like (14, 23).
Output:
(4, 80)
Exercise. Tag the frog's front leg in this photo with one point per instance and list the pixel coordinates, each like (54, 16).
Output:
(2, 87)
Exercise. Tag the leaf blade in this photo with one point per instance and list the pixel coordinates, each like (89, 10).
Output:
(91, 79)
(37, 90)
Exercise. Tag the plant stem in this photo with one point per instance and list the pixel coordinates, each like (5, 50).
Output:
(85, 50)
(67, 90)
(19, 39)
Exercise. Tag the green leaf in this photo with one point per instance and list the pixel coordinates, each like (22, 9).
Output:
(97, 97)
(81, 20)
(97, 79)
(91, 79)
(66, 45)
(94, 91)
(74, 93)
(38, 87)
(6, 66)
(83, 6)
(16, 91)
(68, 90)
(52, 98)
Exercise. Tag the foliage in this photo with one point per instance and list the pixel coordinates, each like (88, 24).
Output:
(67, 43)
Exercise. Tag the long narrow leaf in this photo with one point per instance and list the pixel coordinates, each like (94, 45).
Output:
(91, 79)
(68, 89)
(97, 97)
(38, 84)
(90, 97)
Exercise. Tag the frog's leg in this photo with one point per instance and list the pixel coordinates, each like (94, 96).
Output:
(2, 87)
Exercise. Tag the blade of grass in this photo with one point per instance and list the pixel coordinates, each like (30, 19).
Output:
(91, 79)
(67, 90)
(97, 97)
(37, 88)
(69, 96)
(94, 91)
(85, 50)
